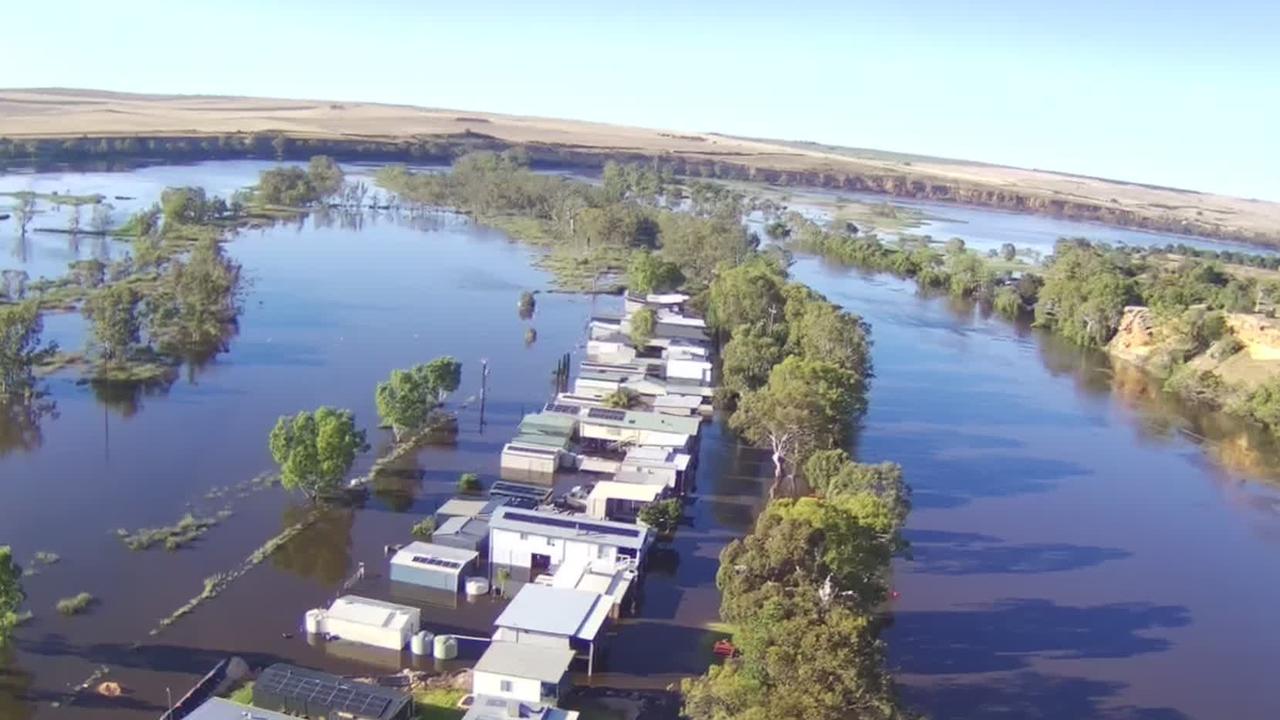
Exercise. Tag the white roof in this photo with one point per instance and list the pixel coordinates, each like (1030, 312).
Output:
(666, 298)
(644, 479)
(421, 555)
(581, 574)
(367, 611)
(671, 318)
(216, 708)
(622, 490)
(657, 457)
(555, 611)
(522, 660)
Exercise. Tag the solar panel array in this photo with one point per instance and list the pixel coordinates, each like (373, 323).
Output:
(517, 490)
(607, 414)
(438, 562)
(562, 409)
(334, 694)
(571, 524)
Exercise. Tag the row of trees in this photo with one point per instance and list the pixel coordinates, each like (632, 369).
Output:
(295, 187)
(802, 591)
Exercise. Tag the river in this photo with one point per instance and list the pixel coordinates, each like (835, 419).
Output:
(1082, 546)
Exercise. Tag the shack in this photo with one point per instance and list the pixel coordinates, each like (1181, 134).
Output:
(487, 707)
(550, 616)
(610, 500)
(434, 566)
(463, 533)
(310, 693)
(532, 542)
(529, 673)
(369, 622)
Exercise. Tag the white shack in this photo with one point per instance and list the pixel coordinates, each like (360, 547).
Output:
(367, 621)
(611, 500)
(530, 543)
(529, 673)
(557, 617)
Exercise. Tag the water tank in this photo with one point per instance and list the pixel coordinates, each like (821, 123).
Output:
(477, 586)
(314, 622)
(421, 642)
(446, 647)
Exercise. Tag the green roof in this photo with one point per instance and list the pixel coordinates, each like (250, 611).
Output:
(541, 440)
(550, 423)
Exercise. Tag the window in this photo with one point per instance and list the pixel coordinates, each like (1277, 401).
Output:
(524, 536)
(602, 552)
(505, 686)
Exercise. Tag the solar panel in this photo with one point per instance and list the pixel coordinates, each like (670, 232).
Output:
(518, 490)
(607, 414)
(332, 693)
(438, 562)
(571, 524)
(562, 409)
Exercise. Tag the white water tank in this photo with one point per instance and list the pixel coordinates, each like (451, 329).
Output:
(446, 647)
(314, 622)
(477, 586)
(421, 643)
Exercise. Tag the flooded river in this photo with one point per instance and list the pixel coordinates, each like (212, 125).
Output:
(1083, 546)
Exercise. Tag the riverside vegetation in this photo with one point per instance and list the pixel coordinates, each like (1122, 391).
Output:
(1189, 298)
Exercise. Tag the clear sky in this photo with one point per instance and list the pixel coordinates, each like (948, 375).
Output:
(1162, 91)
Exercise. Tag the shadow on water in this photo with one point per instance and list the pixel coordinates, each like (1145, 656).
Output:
(15, 687)
(1030, 696)
(321, 552)
(1009, 634)
(936, 552)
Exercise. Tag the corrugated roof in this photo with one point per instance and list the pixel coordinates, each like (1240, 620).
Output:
(367, 611)
(570, 527)
(656, 422)
(553, 611)
(217, 708)
(625, 491)
(455, 557)
(487, 707)
(535, 662)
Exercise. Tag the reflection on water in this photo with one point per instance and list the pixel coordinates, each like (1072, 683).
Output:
(15, 686)
(322, 552)
(20, 423)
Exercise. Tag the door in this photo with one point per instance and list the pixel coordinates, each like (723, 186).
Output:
(539, 565)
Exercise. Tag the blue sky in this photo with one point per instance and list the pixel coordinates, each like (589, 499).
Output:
(1168, 92)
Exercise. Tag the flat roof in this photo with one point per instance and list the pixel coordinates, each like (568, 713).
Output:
(488, 707)
(535, 662)
(538, 439)
(429, 556)
(470, 507)
(552, 611)
(640, 420)
(458, 525)
(625, 491)
(367, 611)
(570, 527)
(216, 708)
(523, 491)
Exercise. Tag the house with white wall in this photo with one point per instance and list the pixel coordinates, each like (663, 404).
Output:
(529, 543)
(556, 617)
(524, 672)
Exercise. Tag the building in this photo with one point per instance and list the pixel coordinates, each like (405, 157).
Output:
(527, 673)
(217, 708)
(487, 707)
(613, 582)
(688, 368)
(611, 500)
(463, 533)
(558, 617)
(533, 542)
(303, 692)
(672, 468)
(630, 427)
(466, 507)
(669, 302)
(519, 494)
(539, 448)
(433, 566)
(369, 622)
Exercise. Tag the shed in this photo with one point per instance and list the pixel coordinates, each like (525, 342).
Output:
(530, 462)
(555, 617)
(469, 507)
(304, 692)
(532, 673)
(488, 707)
(463, 533)
(432, 565)
(620, 500)
(370, 622)
(519, 494)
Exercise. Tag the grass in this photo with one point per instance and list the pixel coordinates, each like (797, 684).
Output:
(438, 703)
(173, 537)
(243, 694)
(879, 217)
(75, 604)
(584, 270)
(56, 198)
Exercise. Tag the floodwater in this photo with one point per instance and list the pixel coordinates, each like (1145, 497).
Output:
(1083, 546)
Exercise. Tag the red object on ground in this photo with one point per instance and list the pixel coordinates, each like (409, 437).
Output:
(724, 648)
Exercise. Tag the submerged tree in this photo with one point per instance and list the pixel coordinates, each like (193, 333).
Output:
(648, 273)
(116, 327)
(315, 450)
(11, 594)
(20, 349)
(405, 401)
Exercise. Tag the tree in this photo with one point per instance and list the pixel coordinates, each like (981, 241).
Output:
(825, 332)
(643, 322)
(196, 301)
(24, 211)
(955, 246)
(88, 273)
(324, 175)
(444, 374)
(648, 273)
(469, 483)
(116, 328)
(315, 450)
(807, 405)
(1084, 294)
(664, 516)
(749, 356)
(622, 399)
(13, 284)
(749, 294)
(11, 594)
(424, 529)
(1008, 252)
(185, 206)
(406, 399)
(20, 349)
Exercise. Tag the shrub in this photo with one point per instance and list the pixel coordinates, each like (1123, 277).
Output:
(424, 529)
(76, 604)
(469, 483)
(663, 516)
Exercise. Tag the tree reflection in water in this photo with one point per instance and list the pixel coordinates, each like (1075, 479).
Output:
(20, 420)
(322, 552)
(15, 687)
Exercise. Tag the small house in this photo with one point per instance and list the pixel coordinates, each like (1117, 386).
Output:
(216, 708)
(611, 500)
(671, 468)
(433, 566)
(632, 427)
(463, 533)
(466, 507)
(303, 692)
(613, 582)
(529, 543)
(528, 673)
(369, 622)
(557, 617)
(487, 707)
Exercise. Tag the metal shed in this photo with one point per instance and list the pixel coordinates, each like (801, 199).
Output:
(310, 693)
(463, 533)
(432, 565)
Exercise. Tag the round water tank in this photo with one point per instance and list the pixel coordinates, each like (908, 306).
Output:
(314, 622)
(420, 643)
(477, 586)
(446, 647)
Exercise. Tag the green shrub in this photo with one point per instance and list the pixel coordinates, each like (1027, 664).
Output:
(469, 483)
(76, 604)
(424, 529)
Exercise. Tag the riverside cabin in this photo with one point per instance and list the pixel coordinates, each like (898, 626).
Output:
(555, 617)
(528, 673)
(530, 543)
(433, 566)
(368, 622)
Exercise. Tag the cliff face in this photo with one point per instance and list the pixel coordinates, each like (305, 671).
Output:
(1260, 335)
(1135, 340)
